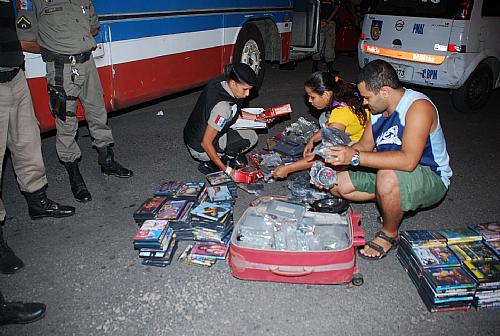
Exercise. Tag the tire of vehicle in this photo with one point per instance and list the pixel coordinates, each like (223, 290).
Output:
(475, 92)
(250, 49)
(357, 279)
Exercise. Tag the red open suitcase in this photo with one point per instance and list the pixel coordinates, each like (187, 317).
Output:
(306, 267)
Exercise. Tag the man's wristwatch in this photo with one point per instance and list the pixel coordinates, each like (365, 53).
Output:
(355, 158)
(229, 170)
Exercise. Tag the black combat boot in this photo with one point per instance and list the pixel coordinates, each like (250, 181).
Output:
(315, 66)
(20, 313)
(9, 262)
(77, 183)
(239, 161)
(39, 205)
(330, 68)
(108, 164)
(207, 167)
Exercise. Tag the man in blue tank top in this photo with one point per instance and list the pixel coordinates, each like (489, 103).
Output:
(401, 161)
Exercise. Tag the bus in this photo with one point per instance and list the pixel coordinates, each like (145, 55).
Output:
(150, 49)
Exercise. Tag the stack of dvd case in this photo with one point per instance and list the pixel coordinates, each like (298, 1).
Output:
(435, 271)
(184, 211)
(180, 198)
(460, 235)
(191, 191)
(487, 275)
(182, 225)
(156, 243)
(212, 221)
(167, 188)
(446, 289)
(148, 209)
(204, 253)
(490, 233)
(220, 178)
(482, 262)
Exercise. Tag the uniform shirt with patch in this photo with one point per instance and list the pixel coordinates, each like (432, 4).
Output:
(61, 26)
(388, 135)
(223, 111)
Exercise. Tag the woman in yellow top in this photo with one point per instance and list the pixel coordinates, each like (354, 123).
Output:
(345, 112)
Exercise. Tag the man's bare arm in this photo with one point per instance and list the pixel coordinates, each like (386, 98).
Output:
(208, 147)
(30, 46)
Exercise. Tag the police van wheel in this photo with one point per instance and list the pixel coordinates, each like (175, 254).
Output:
(250, 49)
(475, 92)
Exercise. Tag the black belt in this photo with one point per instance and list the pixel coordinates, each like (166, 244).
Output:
(7, 76)
(49, 56)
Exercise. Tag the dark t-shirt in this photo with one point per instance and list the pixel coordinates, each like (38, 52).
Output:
(326, 8)
(11, 55)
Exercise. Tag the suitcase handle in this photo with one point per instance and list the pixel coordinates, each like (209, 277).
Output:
(278, 271)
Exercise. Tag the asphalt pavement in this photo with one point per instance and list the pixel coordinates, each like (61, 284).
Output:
(86, 271)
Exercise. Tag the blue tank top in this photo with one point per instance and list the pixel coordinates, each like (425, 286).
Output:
(388, 135)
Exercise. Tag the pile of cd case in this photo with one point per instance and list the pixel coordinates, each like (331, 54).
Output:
(156, 243)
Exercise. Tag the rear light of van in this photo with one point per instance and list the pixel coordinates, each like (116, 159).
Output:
(456, 48)
(464, 10)
(362, 36)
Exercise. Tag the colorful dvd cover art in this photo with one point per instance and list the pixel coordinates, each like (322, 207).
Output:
(212, 211)
(149, 207)
(210, 250)
(171, 209)
(190, 190)
(422, 238)
(219, 194)
(464, 234)
(495, 246)
(167, 188)
(218, 178)
(484, 271)
(473, 251)
(449, 278)
(490, 231)
(435, 256)
(151, 230)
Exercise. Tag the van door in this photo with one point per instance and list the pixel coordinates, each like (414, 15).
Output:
(305, 28)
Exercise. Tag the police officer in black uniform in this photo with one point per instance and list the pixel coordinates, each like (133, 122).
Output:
(207, 133)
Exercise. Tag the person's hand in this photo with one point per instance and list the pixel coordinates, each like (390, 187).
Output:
(280, 172)
(262, 117)
(269, 120)
(308, 148)
(340, 155)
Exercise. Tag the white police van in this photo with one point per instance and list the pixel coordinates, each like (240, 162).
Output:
(451, 44)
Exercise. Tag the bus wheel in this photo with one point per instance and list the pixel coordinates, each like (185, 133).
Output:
(475, 92)
(249, 49)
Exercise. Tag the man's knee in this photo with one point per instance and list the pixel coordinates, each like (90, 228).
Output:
(387, 182)
(344, 185)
